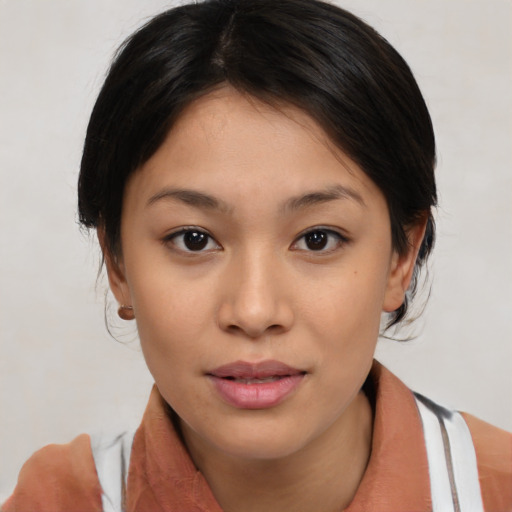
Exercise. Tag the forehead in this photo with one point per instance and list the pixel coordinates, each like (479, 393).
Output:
(219, 107)
(239, 147)
(228, 122)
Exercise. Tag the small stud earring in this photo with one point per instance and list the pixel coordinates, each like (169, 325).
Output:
(126, 312)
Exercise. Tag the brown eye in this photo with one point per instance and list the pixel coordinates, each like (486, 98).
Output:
(316, 240)
(319, 240)
(195, 240)
(192, 240)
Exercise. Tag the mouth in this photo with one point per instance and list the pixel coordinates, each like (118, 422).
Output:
(255, 385)
(256, 380)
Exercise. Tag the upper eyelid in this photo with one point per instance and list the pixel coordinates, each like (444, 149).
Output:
(328, 229)
(184, 229)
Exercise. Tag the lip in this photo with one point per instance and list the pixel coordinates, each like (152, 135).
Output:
(237, 383)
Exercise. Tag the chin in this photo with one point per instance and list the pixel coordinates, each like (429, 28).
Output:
(260, 440)
(270, 449)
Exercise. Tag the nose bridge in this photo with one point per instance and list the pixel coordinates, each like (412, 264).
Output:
(255, 302)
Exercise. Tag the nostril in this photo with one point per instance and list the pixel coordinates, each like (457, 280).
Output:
(276, 328)
(255, 332)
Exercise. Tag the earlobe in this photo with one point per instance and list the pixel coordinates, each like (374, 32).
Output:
(402, 268)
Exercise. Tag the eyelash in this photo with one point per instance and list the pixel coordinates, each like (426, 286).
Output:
(330, 233)
(171, 238)
(340, 240)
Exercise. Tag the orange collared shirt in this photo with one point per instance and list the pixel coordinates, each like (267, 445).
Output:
(163, 478)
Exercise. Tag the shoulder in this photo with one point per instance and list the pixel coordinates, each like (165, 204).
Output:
(493, 447)
(58, 478)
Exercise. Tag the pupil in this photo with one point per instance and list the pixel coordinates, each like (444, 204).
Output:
(195, 240)
(316, 240)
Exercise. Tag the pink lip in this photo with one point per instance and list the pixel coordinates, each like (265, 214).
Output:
(278, 381)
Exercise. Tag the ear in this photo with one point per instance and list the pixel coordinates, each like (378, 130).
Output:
(115, 272)
(402, 268)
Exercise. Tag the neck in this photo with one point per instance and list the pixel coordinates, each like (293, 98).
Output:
(321, 477)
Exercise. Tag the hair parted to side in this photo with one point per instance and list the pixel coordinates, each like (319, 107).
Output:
(307, 53)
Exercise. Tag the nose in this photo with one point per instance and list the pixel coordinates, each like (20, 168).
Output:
(256, 301)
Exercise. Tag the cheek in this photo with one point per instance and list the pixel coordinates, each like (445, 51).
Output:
(349, 301)
(170, 314)
(347, 324)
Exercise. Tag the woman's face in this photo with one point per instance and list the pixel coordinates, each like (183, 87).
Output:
(258, 260)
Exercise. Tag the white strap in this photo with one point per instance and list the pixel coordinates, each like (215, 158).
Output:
(451, 459)
(465, 469)
(112, 458)
(437, 468)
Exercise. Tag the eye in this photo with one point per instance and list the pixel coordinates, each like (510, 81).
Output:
(192, 240)
(319, 240)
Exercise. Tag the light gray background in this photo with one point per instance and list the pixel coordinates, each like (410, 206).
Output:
(60, 372)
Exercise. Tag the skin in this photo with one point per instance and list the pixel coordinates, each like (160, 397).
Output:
(258, 291)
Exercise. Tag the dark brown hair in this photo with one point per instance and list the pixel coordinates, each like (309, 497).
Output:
(311, 54)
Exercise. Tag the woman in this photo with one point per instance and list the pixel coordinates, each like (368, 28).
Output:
(261, 178)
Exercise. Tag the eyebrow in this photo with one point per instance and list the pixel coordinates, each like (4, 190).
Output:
(331, 193)
(190, 197)
(207, 202)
